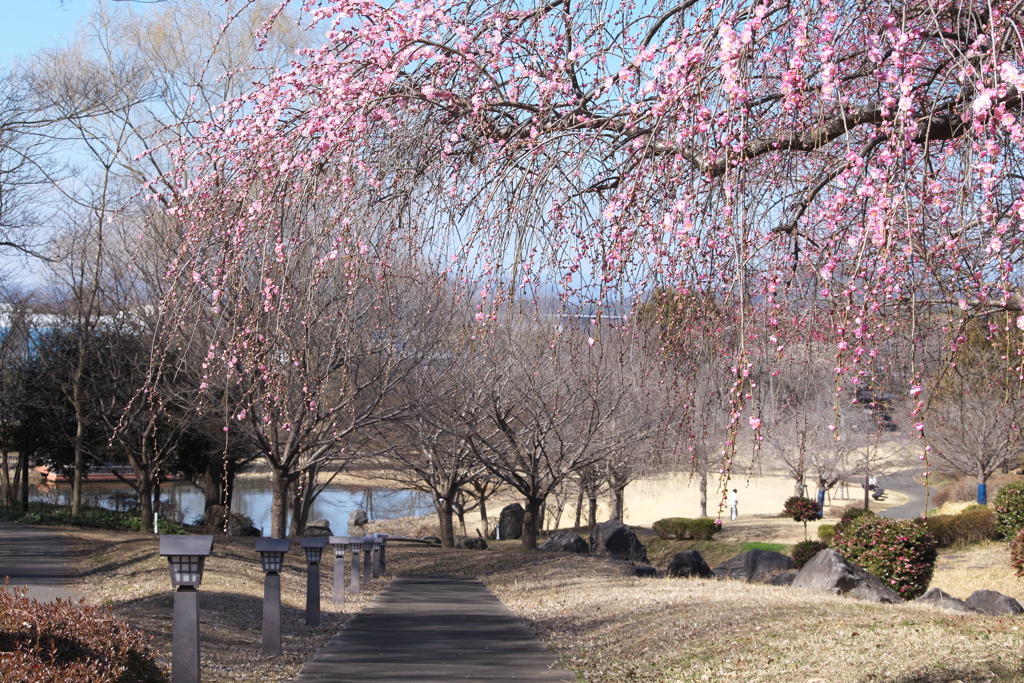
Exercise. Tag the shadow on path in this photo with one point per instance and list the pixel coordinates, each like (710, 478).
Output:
(40, 558)
(434, 628)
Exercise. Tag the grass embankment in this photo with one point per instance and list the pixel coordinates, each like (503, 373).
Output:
(603, 623)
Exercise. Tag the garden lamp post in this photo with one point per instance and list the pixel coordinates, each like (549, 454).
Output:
(368, 543)
(186, 556)
(355, 545)
(272, 552)
(339, 543)
(314, 547)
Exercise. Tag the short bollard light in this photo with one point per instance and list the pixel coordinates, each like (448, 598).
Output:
(272, 552)
(314, 547)
(382, 556)
(376, 555)
(339, 543)
(186, 556)
(368, 543)
(355, 546)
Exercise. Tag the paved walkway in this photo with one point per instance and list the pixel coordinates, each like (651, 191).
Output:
(434, 628)
(38, 557)
(905, 484)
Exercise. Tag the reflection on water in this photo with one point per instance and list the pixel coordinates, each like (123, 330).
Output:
(183, 502)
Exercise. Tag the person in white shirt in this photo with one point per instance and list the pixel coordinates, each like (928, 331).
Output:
(733, 500)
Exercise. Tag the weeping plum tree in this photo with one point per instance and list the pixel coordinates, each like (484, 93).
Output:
(842, 170)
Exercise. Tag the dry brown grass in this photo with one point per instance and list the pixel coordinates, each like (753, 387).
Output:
(126, 572)
(605, 624)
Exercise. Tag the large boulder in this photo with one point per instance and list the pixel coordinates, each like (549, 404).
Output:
(566, 541)
(470, 543)
(510, 522)
(783, 579)
(828, 571)
(939, 599)
(618, 540)
(235, 525)
(357, 519)
(318, 527)
(754, 566)
(689, 563)
(993, 602)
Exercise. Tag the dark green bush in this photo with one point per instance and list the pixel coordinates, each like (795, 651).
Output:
(681, 528)
(900, 552)
(1017, 553)
(671, 527)
(803, 552)
(703, 528)
(975, 524)
(1009, 509)
(60, 642)
(940, 527)
(826, 532)
(96, 518)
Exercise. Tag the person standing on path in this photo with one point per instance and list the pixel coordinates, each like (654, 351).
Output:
(733, 499)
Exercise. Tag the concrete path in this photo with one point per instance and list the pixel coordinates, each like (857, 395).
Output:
(431, 629)
(38, 557)
(905, 484)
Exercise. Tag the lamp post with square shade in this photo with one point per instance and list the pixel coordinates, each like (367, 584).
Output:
(186, 556)
(314, 547)
(339, 543)
(272, 551)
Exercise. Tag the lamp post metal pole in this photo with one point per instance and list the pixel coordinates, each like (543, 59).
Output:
(185, 640)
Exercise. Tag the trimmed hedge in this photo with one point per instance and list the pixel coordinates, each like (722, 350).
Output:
(976, 523)
(804, 550)
(826, 532)
(60, 642)
(96, 519)
(900, 552)
(682, 528)
(1009, 509)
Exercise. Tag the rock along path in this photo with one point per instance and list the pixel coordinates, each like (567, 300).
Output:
(431, 629)
(40, 558)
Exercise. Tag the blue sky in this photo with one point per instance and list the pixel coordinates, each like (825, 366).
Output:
(29, 25)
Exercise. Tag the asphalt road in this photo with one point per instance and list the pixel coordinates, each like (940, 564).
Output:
(40, 558)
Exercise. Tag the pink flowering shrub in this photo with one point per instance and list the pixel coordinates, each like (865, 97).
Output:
(901, 552)
(1009, 509)
(801, 509)
(1017, 553)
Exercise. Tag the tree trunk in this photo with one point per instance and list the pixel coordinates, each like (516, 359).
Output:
(702, 485)
(22, 479)
(144, 487)
(531, 520)
(76, 483)
(982, 487)
(280, 485)
(444, 518)
(483, 516)
(618, 492)
(579, 509)
(592, 512)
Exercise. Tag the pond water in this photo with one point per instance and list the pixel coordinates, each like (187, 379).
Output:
(182, 501)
